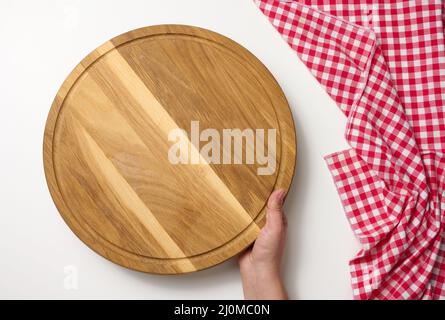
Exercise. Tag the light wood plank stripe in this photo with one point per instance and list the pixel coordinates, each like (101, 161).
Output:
(127, 196)
(157, 113)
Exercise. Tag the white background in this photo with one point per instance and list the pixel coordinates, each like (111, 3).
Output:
(41, 42)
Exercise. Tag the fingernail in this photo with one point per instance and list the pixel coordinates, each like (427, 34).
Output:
(281, 196)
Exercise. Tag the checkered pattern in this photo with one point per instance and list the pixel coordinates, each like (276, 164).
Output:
(383, 63)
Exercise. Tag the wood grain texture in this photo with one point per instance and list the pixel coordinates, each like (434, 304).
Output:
(106, 148)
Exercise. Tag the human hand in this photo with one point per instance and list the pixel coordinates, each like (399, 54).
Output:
(260, 265)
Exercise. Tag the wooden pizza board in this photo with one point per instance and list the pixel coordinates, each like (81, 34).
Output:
(106, 148)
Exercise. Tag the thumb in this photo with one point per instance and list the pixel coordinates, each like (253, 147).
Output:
(274, 210)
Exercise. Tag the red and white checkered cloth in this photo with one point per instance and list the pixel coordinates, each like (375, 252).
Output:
(383, 62)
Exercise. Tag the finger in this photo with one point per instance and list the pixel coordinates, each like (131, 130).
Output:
(244, 257)
(284, 220)
(275, 210)
(246, 252)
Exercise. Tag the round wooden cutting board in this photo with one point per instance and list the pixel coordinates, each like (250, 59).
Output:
(133, 109)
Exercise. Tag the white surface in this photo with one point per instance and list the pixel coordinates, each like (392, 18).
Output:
(41, 43)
